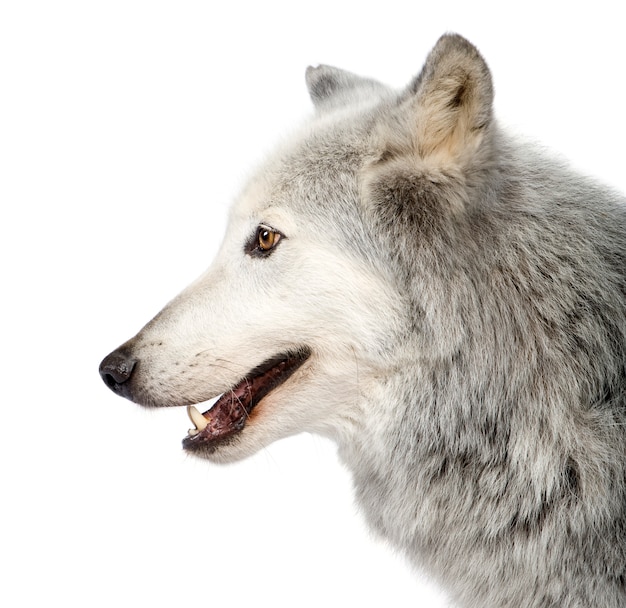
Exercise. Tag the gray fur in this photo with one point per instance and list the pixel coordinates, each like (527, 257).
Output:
(490, 436)
(330, 87)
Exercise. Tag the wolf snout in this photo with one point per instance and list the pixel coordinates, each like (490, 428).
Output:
(116, 370)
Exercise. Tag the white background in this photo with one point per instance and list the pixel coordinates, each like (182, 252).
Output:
(126, 128)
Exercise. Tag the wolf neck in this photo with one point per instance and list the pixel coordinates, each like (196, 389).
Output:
(469, 491)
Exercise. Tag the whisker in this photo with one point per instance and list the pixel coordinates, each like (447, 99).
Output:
(243, 407)
(234, 367)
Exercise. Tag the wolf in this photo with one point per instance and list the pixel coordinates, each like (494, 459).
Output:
(448, 304)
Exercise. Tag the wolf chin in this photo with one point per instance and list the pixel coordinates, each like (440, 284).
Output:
(448, 304)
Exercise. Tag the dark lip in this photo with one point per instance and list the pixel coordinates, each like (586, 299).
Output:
(230, 413)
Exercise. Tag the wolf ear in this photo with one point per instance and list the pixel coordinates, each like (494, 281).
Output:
(331, 87)
(451, 99)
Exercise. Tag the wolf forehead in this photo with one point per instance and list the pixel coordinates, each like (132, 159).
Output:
(436, 125)
(372, 159)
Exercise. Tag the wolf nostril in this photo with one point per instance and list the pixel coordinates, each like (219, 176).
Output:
(109, 380)
(116, 370)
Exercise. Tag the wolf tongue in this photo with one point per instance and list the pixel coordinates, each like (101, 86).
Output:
(230, 412)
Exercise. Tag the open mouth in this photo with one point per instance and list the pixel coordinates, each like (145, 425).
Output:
(229, 413)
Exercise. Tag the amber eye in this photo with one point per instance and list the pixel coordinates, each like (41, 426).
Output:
(263, 241)
(267, 238)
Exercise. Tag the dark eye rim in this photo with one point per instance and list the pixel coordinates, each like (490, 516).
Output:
(252, 247)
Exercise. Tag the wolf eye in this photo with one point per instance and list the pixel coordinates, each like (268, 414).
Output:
(266, 238)
(263, 241)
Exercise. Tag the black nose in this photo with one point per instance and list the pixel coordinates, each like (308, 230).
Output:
(116, 370)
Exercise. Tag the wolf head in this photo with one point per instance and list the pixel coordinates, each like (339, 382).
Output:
(307, 306)
(338, 267)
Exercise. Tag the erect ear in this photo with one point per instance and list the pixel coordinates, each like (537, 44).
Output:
(451, 99)
(331, 87)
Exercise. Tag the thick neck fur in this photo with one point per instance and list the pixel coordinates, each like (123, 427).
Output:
(508, 432)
